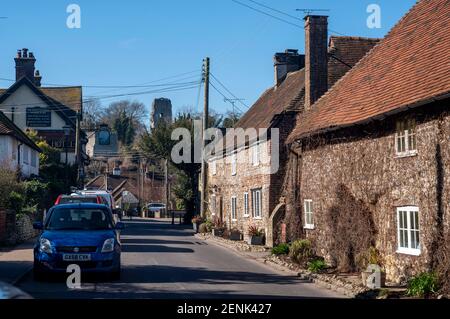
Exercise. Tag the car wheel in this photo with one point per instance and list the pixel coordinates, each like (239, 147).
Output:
(38, 275)
(115, 275)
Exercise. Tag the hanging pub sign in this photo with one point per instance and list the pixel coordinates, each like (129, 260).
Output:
(39, 117)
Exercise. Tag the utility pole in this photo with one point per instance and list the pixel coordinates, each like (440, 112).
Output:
(166, 183)
(78, 151)
(206, 69)
(106, 175)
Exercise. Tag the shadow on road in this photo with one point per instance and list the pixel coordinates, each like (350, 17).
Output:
(130, 241)
(154, 249)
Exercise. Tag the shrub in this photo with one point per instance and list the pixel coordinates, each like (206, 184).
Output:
(16, 201)
(209, 225)
(203, 228)
(35, 193)
(254, 231)
(281, 249)
(423, 285)
(317, 265)
(8, 183)
(197, 220)
(301, 251)
(219, 224)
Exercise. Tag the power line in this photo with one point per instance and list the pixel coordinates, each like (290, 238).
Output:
(224, 96)
(234, 96)
(183, 87)
(267, 14)
(276, 10)
(143, 85)
(283, 13)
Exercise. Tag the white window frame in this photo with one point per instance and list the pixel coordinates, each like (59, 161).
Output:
(309, 214)
(33, 158)
(213, 167)
(213, 205)
(25, 155)
(234, 208)
(409, 230)
(233, 164)
(257, 203)
(246, 207)
(405, 135)
(256, 154)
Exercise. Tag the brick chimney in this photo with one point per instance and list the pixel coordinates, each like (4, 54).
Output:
(316, 60)
(286, 62)
(25, 65)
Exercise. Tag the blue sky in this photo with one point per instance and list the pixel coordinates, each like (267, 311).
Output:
(135, 42)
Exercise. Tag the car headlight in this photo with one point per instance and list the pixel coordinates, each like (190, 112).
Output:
(108, 245)
(45, 246)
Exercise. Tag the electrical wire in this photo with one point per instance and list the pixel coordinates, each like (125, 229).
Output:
(221, 84)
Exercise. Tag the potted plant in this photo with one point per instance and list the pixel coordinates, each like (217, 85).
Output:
(218, 228)
(235, 234)
(196, 221)
(373, 266)
(255, 236)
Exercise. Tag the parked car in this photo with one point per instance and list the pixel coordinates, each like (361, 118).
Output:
(106, 195)
(77, 198)
(108, 199)
(153, 208)
(156, 207)
(82, 234)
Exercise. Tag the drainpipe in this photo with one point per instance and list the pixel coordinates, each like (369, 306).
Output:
(19, 167)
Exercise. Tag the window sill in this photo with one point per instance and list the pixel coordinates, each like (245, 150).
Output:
(309, 227)
(406, 154)
(408, 251)
(234, 220)
(257, 218)
(246, 215)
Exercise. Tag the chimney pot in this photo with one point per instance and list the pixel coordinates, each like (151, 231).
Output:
(25, 65)
(286, 62)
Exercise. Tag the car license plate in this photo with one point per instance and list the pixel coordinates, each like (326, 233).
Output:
(76, 257)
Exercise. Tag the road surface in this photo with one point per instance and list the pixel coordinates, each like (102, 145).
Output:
(160, 260)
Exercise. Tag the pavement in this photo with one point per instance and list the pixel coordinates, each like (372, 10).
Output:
(16, 261)
(165, 261)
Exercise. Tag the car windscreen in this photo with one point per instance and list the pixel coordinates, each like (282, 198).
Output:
(76, 200)
(63, 218)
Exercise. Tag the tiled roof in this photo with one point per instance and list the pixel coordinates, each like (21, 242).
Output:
(344, 53)
(67, 96)
(408, 67)
(7, 127)
(272, 102)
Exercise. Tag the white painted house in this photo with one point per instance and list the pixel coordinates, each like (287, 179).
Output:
(50, 111)
(16, 148)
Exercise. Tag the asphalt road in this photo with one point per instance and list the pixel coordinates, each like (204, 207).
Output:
(164, 261)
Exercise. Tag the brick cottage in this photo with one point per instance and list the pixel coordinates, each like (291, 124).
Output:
(369, 161)
(242, 190)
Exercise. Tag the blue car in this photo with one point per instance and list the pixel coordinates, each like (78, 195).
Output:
(82, 234)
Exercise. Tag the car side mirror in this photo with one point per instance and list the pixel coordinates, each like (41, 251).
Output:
(120, 226)
(38, 225)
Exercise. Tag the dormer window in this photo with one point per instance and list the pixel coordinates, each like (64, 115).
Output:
(405, 138)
